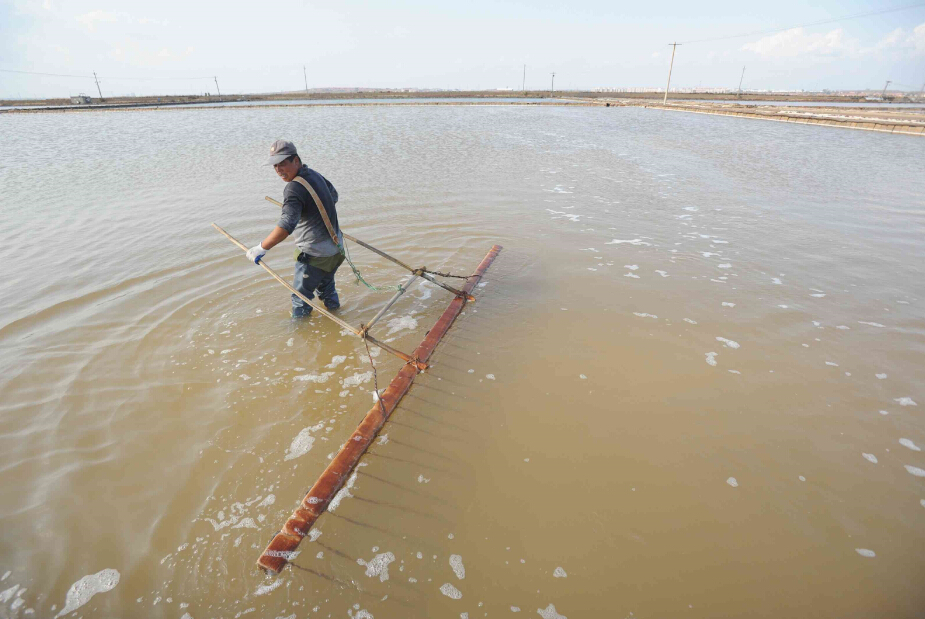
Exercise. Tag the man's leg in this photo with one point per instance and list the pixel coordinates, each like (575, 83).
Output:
(306, 279)
(327, 292)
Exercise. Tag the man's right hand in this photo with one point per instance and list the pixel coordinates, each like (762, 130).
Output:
(255, 253)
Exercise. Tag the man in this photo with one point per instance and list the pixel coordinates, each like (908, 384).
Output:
(319, 255)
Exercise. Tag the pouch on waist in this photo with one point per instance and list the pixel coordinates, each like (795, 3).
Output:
(325, 263)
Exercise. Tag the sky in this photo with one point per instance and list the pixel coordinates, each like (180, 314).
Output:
(176, 47)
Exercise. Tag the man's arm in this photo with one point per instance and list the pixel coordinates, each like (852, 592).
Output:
(274, 238)
(289, 217)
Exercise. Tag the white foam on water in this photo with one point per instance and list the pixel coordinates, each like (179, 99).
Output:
(631, 267)
(914, 470)
(314, 534)
(870, 457)
(802, 478)
(343, 493)
(871, 324)
(264, 589)
(378, 566)
(582, 377)
(725, 265)
(832, 363)
(592, 269)
(776, 280)
(559, 573)
(422, 479)
(663, 273)
(692, 209)
(922, 502)
(402, 322)
(633, 275)
(450, 591)
(642, 315)
(880, 376)
(711, 358)
(336, 360)
(905, 401)
(725, 304)
(908, 443)
(728, 343)
(734, 371)
(707, 254)
(490, 376)
(383, 439)
(471, 371)
(88, 586)
(515, 609)
(864, 552)
(843, 327)
(358, 379)
(630, 242)
(303, 442)
(733, 482)
(290, 341)
(314, 378)
(549, 613)
(693, 322)
(884, 412)
(245, 523)
(456, 564)
(782, 306)
(270, 500)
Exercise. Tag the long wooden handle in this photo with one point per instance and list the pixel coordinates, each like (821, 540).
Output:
(447, 287)
(324, 312)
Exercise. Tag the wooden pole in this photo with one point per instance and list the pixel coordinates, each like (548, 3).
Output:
(401, 290)
(674, 46)
(426, 276)
(324, 312)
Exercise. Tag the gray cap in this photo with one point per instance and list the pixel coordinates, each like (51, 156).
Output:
(280, 150)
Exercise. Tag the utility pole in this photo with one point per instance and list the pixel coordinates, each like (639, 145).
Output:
(674, 46)
(96, 79)
(215, 77)
(552, 87)
(524, 85)
(305, 75)
(739, 94)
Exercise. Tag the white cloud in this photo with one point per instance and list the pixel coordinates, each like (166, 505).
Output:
(91, 19)
(797, 42)
(917, 39)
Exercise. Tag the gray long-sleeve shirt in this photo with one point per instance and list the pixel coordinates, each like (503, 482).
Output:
(300, 216)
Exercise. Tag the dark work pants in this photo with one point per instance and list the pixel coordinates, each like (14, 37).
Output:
(307, 280)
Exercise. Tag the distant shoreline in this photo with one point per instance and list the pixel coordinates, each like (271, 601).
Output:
(153, 101)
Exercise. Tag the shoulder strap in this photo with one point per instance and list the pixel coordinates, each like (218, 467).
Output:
(324, 213)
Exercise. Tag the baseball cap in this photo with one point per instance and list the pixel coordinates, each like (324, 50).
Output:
(280, 150)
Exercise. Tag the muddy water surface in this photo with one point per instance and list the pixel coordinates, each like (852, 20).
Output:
(690, 385)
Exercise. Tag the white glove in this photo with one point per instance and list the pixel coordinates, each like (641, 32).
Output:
(255, 253)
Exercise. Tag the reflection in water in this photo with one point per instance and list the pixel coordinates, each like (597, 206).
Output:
(688, 385)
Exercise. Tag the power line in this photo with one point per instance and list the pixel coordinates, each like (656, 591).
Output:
(815, 23)
(90, 77)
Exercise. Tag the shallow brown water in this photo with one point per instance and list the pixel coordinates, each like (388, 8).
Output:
(585, 442)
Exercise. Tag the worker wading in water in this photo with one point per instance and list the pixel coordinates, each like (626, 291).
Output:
(306, 193)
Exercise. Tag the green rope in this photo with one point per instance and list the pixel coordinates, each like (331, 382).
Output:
(359, 277)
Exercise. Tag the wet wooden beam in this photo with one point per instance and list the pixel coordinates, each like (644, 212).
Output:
(287, 540)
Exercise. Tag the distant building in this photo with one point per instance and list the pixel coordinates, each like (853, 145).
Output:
(80, 100)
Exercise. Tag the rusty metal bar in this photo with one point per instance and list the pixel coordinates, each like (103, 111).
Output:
(401, 290)
(426, 276)
(284, 543)
(361, 333)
